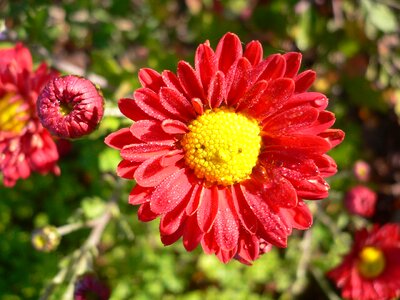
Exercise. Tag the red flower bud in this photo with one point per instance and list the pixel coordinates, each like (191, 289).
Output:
(70, 106)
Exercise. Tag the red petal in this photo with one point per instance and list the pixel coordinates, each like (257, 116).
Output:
(172, 157)
(280, 193)
(273, 67)
(151, 131)
(174, 127)
(254, 52)
(291, 120)
(304, 80)
(275, 228)
(226, 225)
(248, 247)
(120, 138)
(129, 108)
(172, 238)
(333, 136)
(142, 152)
(314, 99)
(205, 64)
(208, 208)
(150, 79)
(170, 192)
(149, 102)
(172, 81)
(192, 234)
(326, 164)
(189, 81)
(150, 173)
(274, 97)
(237, 81)
(140, 195)
(145, 214)
(216, 92)
(302, 143)
(229, 49)
(325, 120)
(293, 61)
(245, 214)
(175, 103)
(225, 255)
(172, 220)
(300, 216)
(194, 201)
(252, 96)
(126, 169)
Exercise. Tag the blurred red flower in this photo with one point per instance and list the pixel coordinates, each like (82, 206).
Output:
(361, 200)
(225, 153)
(371, 271)
(70, 106)
(25, 146)
(89, 287)
(362, 170)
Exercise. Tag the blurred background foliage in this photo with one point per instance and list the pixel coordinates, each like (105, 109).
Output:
(354, 46)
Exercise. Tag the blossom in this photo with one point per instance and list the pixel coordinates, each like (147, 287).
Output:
(70, 106)
(226, 152)
(25, 146)
(371, 271)
(362, 170)
(90, 287)
(361, 200)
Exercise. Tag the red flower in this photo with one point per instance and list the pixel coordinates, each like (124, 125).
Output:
(361, 200)
(70, 106)
(225, 153)
(25, 146)
(89, 287)
(371, 271)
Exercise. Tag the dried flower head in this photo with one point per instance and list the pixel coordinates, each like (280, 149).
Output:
(70, 106)
(225, 153)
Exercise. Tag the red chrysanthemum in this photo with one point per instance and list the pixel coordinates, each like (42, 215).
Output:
(25, 146)
(89, 287)
(70, 106)
(371, 271)
(225, 153)
(361, 200)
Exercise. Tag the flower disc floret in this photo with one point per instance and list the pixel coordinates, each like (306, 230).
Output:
(222, 146)
(371, 262)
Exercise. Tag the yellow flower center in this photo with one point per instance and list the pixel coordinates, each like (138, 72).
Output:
(13, 115)
(371, 262)
(222, 146)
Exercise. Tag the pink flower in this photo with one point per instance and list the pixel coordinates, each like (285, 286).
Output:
(362, 170)
(89, 287)
(25, 146)
(361, 200)
(371, 271)
(225, 153)
(70, 106)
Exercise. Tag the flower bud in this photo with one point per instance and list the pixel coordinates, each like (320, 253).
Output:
(361, 200)
(46, 239)
(70, 106)
(362, 170)
(88, 286)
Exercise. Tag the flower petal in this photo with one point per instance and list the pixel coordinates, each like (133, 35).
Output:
(189, 81)
(145, 214)
(293, 61)
(174, 127)
(148, 101)
(175, 103)
(139, 195)
(150, 173)
(304, 80)
(126, 169)
(173, 219)
(279, 192)
(252, 96)
(229, 49)
(151, 79)
(216, 92)
(144, 151)
(120, 138)
(172, 81)
(273, 67)
(205, 64)
(237, 81)
(333, 136)
(208, 208)
(245, 214)
(170, 192)
(226, 225)
(300, 216)
(254, 52)
(130, 109)
(151, 131)
(192, 234)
